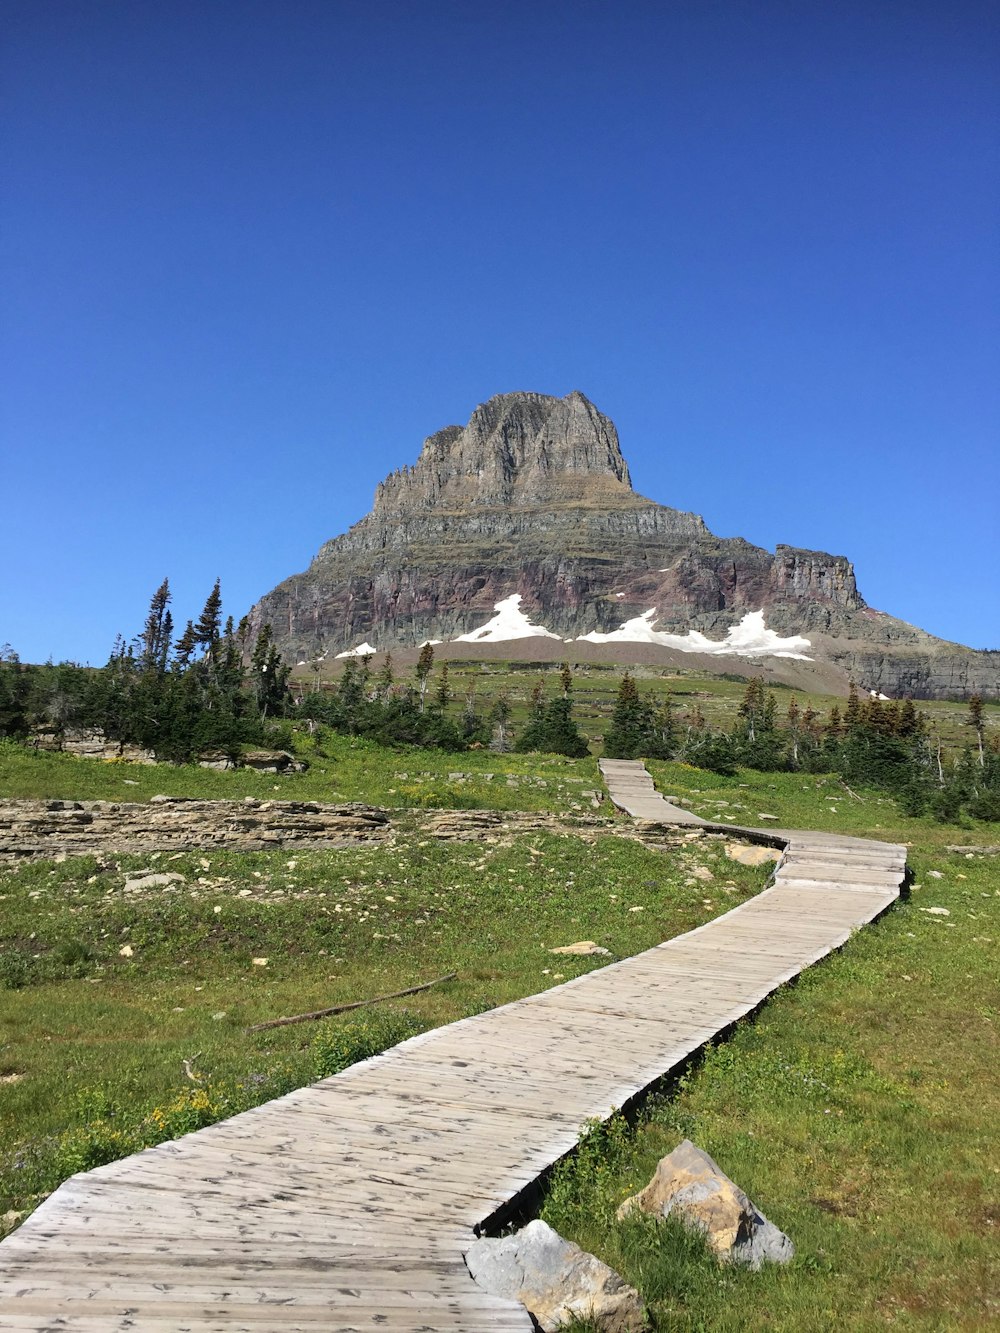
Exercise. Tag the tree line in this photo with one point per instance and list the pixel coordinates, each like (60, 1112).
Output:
(205, 690)
(871, 741)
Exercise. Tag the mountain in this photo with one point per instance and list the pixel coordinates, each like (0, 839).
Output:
(524, 526)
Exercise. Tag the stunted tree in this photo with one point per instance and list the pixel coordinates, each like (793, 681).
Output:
(442, 694)
(385, 679)
(793, 723)
(500, 725)
(424, 667)
(976, 721)
(853, 715)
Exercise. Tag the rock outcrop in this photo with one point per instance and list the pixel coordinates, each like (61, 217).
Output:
(533, 497)
(175, 824)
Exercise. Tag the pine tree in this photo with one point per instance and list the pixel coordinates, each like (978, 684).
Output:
(834, 725)
(852, 712)
(385, 679)
(206, 630)
(425, 664)
(751, 710)
(154, 648)
(185, 647)
(975, 719)
(629, 734)
(663, 738)
(794, 724)
(537, 700)
(471, 725)
(565, 679)
(500, 724)
(911, 722)
(442, 695)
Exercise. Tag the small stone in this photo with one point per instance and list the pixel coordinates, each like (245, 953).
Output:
(583, 948)
(260, 962)
(935, 874)
(555, 1281)
(126, 951)
(936, 911)
(702, 872)
(760, 816)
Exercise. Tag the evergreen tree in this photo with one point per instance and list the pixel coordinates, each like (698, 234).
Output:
(15, 687)
(472, 727)
(663, 738)
(425, 664)
(157, 632)
(975, 720)
(501, 740)
(755, 737)
(269, 675)
(852, 713)
(793, 723)
(442, 695)
(185, 647)
(207, 628)
(628, 735)
(385, 679)
(554, 731)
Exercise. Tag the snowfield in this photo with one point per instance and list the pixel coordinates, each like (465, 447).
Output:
(750, 638)
(510, 622)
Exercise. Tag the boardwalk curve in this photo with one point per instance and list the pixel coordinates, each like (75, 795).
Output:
(349, 1204)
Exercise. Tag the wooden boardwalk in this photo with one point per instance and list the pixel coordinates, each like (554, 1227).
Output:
(349, 1204)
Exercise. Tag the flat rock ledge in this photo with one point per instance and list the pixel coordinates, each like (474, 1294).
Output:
(78, 828)
(691, 1185)
(556, 1281)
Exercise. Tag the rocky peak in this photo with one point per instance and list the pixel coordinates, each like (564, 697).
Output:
(520, 450)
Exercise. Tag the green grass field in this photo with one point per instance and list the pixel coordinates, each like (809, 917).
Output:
(859, 1110)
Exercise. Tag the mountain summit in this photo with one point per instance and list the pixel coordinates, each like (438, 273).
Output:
(530, 507)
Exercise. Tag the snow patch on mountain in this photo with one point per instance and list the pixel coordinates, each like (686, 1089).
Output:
(510, 622)
(750, 638)
(363, 650)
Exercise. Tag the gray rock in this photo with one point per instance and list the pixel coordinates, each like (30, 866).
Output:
(555, 1280)
(689, 1183)
(156, 880)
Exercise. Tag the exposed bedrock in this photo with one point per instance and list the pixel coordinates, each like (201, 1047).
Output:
(534, 497)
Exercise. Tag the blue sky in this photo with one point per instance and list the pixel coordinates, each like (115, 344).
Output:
(251, 254)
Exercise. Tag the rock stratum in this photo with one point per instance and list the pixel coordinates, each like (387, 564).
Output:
(522, 528)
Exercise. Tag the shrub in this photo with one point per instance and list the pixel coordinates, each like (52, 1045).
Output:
(344, 1042)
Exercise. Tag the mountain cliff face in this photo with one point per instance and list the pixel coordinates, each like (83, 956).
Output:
(533, 497)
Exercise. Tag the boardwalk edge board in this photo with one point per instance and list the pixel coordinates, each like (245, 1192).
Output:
(350, 1203)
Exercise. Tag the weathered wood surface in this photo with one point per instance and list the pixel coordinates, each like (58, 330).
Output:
(349, 1204)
